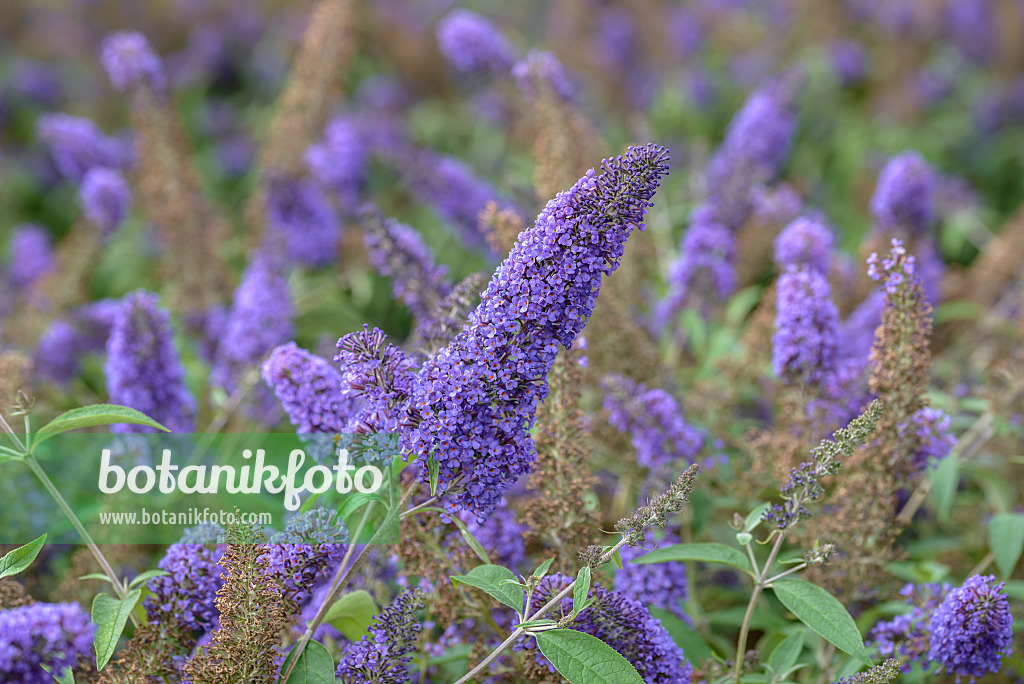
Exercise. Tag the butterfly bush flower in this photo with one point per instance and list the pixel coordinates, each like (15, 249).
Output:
(31, 255)
(849, 61)
(451, 188)
(311, 545)
(906, 635)
(935, 436)
(105, 198)
(299, 213)
(143, 369)
(475, 399)
(397, 251)
(187, 594)
(806, 340)
(972, 629)
(130, 62)
(260, 319)
(625, 625)
(380, 375)
(472, 44)
(339, 160)
(310, 390)
(77, 145)
(757, 143)
(706, 264)
(61, 348)
(972, 26)
(546, 67)
(51, 634)
(805, 241)
(654, 421)
(904, 197)
(501, 534)
(661, 585)
(383, 655)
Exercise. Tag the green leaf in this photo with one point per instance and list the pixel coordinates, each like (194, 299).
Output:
(315, 665)
(754, 517)
(785, 654)
(434, 468)
(693, 645)
(352, 613)
(145, 577)
(580, 590)
(93, 416)
(66, 675)
(110, 614)
(20, 558)
(709, 552)
(96, 576)
(944, 479)
(1015, 589)
(617, 559)
(824, 614)
(355, 501)
(542, 569)
(1005, 538)
(487, 578)
(585, 659)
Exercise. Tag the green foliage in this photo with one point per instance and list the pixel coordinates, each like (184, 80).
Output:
(824, 614)
(501, 583)
(110, 615)
(315, 665)
(584, 659)
(352, 614)
(20, 558)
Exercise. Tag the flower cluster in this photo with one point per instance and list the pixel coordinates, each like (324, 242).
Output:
(655, 423)
(805, 241)
(706, 264)
(906, 635)
(972, 629)
(50, 634)
(397, 251)
(105, 198)
(84, 331)
(384, 655)
(895, 267)
(806, 340)
(31, 255)
(309, 388)
(143, 369)
(311, 544)
(661, 585)
(475, 399)
(904, 198)
(298, 212)
(378, 374)
(339, 161)
(935, 438)
(188, 594)
(260, 319)
(472, 44)
(77, 145)
(130, 62)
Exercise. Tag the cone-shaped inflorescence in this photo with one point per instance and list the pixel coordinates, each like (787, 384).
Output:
(143, 369)
(475, 400)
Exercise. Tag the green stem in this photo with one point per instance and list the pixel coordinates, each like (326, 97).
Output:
(119, 588)
(759, 584)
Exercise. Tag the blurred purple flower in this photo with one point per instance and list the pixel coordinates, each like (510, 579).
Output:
(105, 199)
(804, 242)
(31, 255)
(307, 224)
(130, 62)
(806, 340)
(472, 44)
(904, 196)
(78, 145)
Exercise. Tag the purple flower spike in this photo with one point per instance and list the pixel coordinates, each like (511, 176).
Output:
(806, 341)
(472, 44)
(51, 634)
(31, 255)
(130, 62)
(972, 629)
(904, 197)
(309, 388)
(339, 161)
(260, 319)
(298, 211)
(143, 369)
(78, 145)
(105, 198)
(383, 656)
(805, 241)
(476, 399)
